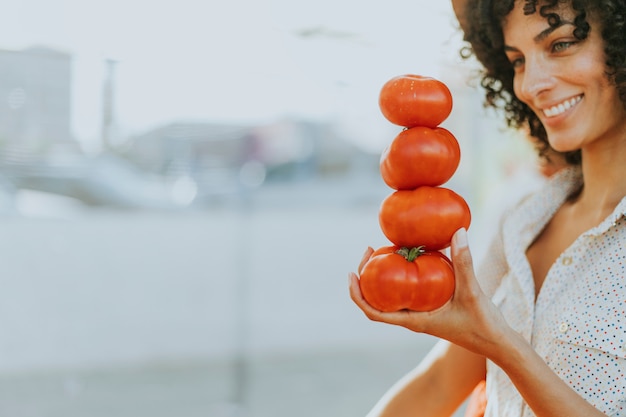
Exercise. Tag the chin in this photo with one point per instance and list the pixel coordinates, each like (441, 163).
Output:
(566, 145)
(564, 149)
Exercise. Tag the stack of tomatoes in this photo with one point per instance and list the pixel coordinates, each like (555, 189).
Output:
(420, 216)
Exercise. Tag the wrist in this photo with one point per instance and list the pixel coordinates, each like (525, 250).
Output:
(505, 347)
(510, 351)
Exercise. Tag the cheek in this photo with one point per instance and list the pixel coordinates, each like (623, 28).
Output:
(606, 90)
(589, 74)
(589, 69)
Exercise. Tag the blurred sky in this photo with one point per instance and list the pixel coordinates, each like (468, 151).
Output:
(236, 60)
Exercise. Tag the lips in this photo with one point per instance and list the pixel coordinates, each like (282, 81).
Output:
(562, 107)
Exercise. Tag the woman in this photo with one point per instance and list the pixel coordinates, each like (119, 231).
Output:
(544, 318)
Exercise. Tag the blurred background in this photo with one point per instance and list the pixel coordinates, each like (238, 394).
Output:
(184, 187)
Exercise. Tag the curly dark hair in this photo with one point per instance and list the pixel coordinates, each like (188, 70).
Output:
(485, 38)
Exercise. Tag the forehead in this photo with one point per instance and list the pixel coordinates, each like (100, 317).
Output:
(525, 21)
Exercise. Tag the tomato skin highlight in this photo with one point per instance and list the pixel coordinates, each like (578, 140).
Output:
(426, 216)
(420, 156)
(414, 100)
(390, 282)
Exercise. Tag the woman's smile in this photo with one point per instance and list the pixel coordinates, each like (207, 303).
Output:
(560, 77)
(561, 107)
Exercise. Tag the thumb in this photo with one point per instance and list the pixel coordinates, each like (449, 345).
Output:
(461, 257)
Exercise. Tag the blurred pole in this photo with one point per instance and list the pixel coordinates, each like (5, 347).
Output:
(108, 100)
(241, 304)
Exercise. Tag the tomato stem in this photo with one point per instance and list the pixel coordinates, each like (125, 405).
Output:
(410, 254)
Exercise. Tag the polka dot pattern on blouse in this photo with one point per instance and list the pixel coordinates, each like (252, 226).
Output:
(578, 322)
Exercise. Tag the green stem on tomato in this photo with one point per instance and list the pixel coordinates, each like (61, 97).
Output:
(412, 253)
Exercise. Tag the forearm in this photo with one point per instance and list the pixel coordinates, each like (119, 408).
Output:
(437, 387)
(542, 389)
(470, 320)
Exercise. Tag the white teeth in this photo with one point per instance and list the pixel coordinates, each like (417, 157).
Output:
(561, 107)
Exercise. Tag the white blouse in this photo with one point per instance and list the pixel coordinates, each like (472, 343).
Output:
(578, 323)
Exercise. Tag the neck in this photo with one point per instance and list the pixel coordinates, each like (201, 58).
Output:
(604, 174)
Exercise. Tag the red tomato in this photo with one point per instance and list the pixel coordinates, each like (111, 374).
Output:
(426, 216)
(398, 278)
(420, 156)
(413, 100)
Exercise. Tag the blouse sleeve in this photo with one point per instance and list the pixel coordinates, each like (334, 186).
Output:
(493, 265)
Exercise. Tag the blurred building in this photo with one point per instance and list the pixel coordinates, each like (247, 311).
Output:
(219, 158)
(35, 98)
(179, 164)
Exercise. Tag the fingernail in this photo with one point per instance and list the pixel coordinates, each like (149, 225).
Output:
(460, 238)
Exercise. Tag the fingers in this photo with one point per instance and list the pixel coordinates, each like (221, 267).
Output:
(461, 257)
(459, 240)
(366, 257)
(397, 318)
(355, 293)
(462, 261)
(357, 297)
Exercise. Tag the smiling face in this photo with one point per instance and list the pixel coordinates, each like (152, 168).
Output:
(563, 79)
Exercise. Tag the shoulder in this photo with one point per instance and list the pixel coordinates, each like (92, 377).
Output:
(540, 205)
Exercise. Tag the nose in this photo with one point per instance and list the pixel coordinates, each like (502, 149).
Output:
(536, 78)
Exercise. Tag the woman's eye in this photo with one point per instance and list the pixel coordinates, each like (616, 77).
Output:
(561, 46)
(516, 62)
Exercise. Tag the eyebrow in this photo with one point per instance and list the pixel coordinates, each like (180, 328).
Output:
(543, 34)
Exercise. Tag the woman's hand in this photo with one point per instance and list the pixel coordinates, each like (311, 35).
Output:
(469, 319)
(366, 257)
